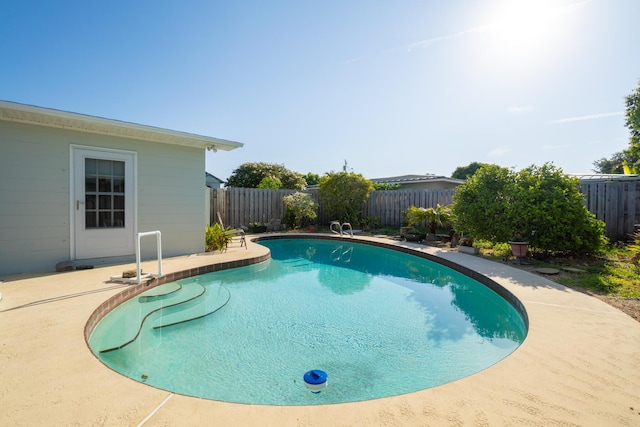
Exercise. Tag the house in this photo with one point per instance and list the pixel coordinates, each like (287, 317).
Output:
(425, 182)
(212, 181)
(78, 187)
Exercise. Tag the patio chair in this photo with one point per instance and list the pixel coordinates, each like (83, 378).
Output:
(233, 232)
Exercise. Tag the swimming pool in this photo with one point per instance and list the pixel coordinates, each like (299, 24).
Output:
(378, 322)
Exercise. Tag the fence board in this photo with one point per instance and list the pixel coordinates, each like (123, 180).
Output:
(617, 203)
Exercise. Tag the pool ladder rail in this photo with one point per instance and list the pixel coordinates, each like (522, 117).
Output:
(341, 228)
(139, 276)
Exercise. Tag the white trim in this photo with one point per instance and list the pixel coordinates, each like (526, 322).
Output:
(72, 194)
(29, 114)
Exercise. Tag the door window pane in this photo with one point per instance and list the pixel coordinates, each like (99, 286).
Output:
(104, 203)
(104, 193)
(104, 219)
(90, 183)
(90, 219)
(118, 185)
(118, 202)
(104, 184)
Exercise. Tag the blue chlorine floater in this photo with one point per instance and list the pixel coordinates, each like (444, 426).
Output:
(315, 380)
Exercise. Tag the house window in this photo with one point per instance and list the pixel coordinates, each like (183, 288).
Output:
(104, 193)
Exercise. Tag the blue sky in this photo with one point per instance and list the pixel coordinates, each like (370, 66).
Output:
(405, 87)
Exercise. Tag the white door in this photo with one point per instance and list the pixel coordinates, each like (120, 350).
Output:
(103, 203)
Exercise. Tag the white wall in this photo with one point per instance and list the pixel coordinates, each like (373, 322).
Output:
(35, 203)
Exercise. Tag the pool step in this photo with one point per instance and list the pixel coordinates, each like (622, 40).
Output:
(160, 292)
(297, 262)
(123, 330)
(215, 297)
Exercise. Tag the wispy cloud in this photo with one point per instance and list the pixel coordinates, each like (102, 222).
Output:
(428, 42)
(559, 11)
(555, 147)
(498, 152)
(352, 60)
(519, 109)
(587, 117)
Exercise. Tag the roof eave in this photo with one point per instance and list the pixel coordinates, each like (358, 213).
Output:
(29, 114)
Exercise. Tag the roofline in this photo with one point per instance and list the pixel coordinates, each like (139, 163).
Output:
(605, 176)
(30, 114)
(417, 180)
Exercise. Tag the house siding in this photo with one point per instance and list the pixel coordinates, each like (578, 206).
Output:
(35, 201)
(170, 198)
(34, 198)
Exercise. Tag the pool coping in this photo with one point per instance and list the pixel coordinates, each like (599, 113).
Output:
(577, 366)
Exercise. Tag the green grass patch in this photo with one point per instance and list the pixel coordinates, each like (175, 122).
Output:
(613, 272)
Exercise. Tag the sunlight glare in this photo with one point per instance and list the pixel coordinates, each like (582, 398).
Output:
(525, 33)
(524, 25)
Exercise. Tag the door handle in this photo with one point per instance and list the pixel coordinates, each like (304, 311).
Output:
(78, 202)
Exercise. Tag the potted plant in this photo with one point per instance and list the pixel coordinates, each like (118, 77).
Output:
(465, 245)
(519, 244)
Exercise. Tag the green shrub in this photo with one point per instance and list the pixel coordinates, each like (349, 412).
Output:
(216, 238)
(301, 207)
(344, 195)
(502, 250)
(539, 202)
(440, 216)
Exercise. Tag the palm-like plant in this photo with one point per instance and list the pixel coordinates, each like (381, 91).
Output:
(440, 216)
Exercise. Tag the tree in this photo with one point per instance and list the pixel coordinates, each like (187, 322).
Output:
(480, 204)
(311, 178)
(385, 186)
(464, 172)
(626, 161)
(250, 175)
(633, 123)
(539, 202)
(344, 195)
(612, 165)
(270, 182)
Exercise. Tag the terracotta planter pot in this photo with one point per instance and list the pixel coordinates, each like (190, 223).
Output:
(519, 249)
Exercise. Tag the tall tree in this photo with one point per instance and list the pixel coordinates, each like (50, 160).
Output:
(627, 161)
(464, 172)
(311, 178)
(633, 123)
(612, 165)
(251, 175)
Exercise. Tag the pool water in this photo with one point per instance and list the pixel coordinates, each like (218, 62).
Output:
(377, 321)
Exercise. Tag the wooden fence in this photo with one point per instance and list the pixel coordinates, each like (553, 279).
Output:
(242, 206)
(617, 203)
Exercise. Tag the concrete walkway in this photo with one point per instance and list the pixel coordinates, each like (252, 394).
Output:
(580, 364)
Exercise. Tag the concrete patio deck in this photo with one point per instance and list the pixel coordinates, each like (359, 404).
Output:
(580, 364)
